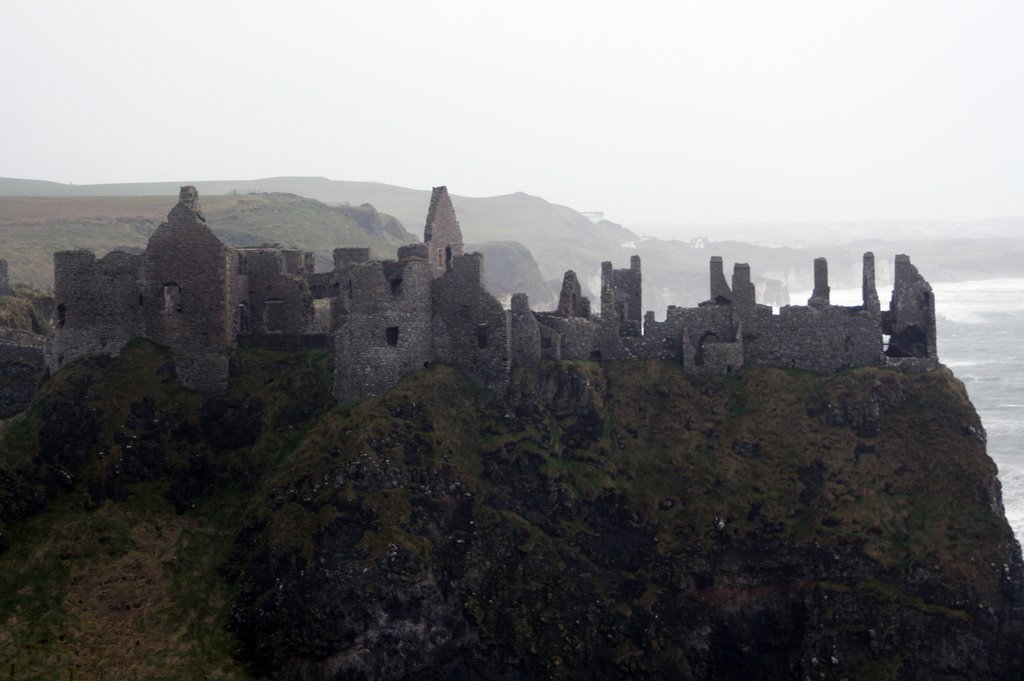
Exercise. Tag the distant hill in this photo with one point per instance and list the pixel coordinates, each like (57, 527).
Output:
(559, 238)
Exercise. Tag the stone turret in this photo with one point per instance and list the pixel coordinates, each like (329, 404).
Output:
(442, 234)
(621, 293)
(820, 295)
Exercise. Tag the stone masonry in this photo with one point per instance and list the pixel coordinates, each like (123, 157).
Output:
(388, 318)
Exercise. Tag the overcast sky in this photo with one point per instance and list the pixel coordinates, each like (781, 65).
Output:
(650, 111)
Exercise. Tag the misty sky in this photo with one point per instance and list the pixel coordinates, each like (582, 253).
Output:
(650, 111)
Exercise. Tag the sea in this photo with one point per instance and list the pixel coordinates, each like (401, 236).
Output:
(980, 326)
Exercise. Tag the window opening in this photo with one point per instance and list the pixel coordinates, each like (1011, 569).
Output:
(172, 298)
(273, 315)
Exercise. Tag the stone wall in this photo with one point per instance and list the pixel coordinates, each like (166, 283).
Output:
(386, 331)
(622, 297)
(910, 320)
(287, 342)
(687, 330)
(98, 304)
(471, 328)
(277, 299)
(524, 334)
(187, 297)
(571, 337)
(571, 302)
(442, 234)
(731, 329)
(340, 290)
(815, 339)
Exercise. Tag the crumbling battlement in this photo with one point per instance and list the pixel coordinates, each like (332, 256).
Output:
(730, 330)
(389, 318)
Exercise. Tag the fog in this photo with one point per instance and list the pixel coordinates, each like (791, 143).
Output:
(670, 117)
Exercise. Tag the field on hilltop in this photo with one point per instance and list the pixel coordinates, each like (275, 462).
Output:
(33, 228)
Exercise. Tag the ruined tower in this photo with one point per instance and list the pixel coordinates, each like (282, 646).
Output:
(571, 302)
(910, 320)
(386, 330)
(820, 295)
(396, 316)
(621, 293)
(441, 235)
(186, 294)
(524, 333)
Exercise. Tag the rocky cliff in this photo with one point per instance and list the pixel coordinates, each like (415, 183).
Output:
(605, 520)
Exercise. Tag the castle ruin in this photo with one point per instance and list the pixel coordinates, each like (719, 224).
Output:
(386, 318)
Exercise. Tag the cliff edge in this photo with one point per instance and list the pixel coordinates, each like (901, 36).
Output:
(605, 520)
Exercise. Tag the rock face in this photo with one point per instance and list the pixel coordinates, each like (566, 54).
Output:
(625, 522)
(618, 520)
(22, 361)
